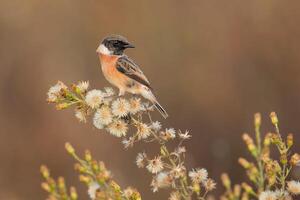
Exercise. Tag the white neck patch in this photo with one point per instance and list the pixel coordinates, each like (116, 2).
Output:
(103, 50)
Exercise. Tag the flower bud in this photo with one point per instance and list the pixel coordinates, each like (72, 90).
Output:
(237, 190)
(276, 167)
(163, 151)
(245, 196)
(115, 186)
(45, 172)
(267, 139)
(290, 140)
(275, 139)
(73, 193)
(247, 188)
(95, 166)
(86, 179)
(62, 106)
(88, 156)
(250, 144)
(283, 158)
(61, 183)
(271, 179)
(80, 168)
(46, 186)
(196, 188)
(244, 163)
(274, 118)
(69, 148)
(257, 120)
(226, 181)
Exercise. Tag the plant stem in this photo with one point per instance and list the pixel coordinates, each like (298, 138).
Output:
(259, 161)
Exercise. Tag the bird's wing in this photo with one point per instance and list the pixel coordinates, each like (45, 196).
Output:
(126, 66)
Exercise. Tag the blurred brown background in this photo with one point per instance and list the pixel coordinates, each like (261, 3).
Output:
(228, 60)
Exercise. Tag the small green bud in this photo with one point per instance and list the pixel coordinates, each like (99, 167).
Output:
(115, 186)
(88, 156)
(283, 158)
(237, 190)
(247, 188)
(257, 120)
(244, 163)
(196, 188)
(86, 179)
(69, 148)
(95, 166)
(45, 172)
(61, 183)
(62, 106)
(290, 140)
(73, 193)
(267, 139)
(163, 151)
(274, 118)
(226, 181)
(250, 144)
(46, 186)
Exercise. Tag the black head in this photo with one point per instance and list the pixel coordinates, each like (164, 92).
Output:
(114, 45)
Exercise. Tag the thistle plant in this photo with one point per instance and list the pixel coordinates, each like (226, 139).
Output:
(117, 115)
(94, 174)
(269, 177)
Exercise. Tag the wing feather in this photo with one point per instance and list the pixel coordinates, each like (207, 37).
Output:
(126, 66)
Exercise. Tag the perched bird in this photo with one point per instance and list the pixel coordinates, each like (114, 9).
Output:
(122, 72)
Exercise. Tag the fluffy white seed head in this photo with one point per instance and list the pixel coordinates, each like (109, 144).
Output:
(118, 128)
(294, 187)
(94, 98)
(93, 187)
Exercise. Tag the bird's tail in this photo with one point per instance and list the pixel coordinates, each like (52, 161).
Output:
(148, 94)
(160, 109)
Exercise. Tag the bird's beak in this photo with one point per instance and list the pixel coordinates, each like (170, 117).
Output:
(128, 45)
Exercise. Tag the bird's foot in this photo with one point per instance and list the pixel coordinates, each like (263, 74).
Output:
(127, 118)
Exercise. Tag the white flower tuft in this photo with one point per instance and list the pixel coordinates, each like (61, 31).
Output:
(135, 105)
(184, 135)
(103, 116)
(55, 91)
(80, 116)
(118, 128)
(198, 175)
(128, 142)
(94, 98)
(120, 107)
(168, 134)
(141, 160)
(156, 126)
(293, 187)
(93, 188)
(83, 86)
(161, 180)
(108, 92)
(268, 195)
(156, 165)
(175, 196)
(144, 131)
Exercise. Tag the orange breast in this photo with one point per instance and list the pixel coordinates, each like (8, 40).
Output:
(108, 65)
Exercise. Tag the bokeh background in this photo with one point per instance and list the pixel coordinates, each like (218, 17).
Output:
(212, 63)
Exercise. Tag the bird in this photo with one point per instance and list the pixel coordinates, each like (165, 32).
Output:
(122, 72)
